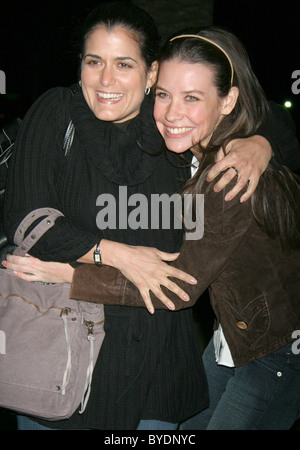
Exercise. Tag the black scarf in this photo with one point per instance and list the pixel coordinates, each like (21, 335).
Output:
(125, 155)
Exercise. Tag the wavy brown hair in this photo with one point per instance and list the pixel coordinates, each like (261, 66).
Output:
(275, 203)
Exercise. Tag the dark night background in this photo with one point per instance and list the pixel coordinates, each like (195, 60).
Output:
(37, 45)
(38, 51)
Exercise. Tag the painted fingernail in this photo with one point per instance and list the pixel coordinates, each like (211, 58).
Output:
(228, 198)
(193, 281)
(185, 298)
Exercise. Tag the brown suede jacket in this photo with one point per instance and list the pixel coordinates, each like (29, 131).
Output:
(254, 285)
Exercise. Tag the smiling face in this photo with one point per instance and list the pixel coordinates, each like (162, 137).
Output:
(114, 75)
(187, 106)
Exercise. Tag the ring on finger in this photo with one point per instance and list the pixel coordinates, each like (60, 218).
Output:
(235, 169)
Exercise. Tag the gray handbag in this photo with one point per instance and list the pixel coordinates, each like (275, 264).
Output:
(49, 343)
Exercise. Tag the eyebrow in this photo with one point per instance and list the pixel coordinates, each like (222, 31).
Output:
(119, 58)
(184, 92)
(193, 92)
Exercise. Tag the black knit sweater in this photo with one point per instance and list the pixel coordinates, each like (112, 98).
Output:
(149, 366)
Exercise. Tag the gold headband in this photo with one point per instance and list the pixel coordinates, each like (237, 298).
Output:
(211, 42)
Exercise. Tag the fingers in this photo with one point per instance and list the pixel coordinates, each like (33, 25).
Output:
(229, 161)
(242, 181)
(26, 276)
(20, 259)
(252, 185)
(173, 287)
(220, 155)
(225, 180)
(22, 266)
(157, 291)
(147, 300)
(12, 259)
(21, 271)
(177, 273)
(30, 268)
(220, 166)
(250, 157)
(15, 267)
(164, 256)
(159, 294)
(163, 298)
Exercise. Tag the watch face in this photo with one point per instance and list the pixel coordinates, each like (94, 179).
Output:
(97, 257)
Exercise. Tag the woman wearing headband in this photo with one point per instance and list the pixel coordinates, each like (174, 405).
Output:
(206, 96)
(249, 255)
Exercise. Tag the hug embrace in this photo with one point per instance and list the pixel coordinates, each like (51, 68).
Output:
(212, 121)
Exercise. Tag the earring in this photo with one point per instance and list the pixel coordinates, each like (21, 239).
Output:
(79, 82)
(147, 91)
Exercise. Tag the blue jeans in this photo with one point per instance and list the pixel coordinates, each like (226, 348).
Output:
(156, 425)
(262, 395)
(24, 423)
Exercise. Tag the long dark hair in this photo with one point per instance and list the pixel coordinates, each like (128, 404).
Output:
(275, 203)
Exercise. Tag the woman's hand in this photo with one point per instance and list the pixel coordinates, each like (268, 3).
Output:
(146, 269)
(143, 266)
(248, 158)
(32, 269)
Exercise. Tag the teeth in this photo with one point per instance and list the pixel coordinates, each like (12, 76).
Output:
(109, 96)
(178, 130)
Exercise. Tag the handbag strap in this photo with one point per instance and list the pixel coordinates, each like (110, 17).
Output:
(25, 244)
